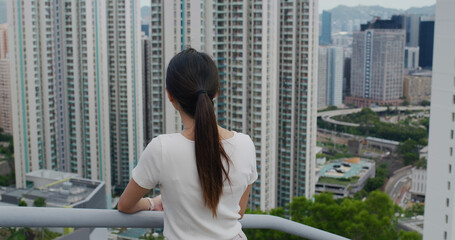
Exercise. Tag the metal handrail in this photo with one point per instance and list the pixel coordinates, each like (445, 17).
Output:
(102, 218)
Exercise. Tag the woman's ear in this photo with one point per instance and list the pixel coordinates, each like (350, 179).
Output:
(171, 99)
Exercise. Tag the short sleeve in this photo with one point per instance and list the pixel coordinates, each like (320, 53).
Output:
(147, 172)
(252, 158)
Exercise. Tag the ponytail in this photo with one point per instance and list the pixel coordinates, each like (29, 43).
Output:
(209, 152)
(192, 79)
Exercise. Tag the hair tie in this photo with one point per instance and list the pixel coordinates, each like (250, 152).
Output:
(201, 92)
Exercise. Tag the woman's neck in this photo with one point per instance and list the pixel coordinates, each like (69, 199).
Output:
(188, 128)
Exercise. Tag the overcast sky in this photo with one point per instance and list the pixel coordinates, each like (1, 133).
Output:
(399, 4)
(329, 4)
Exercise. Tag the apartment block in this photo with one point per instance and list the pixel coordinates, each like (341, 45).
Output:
(76, 88)
(439, 220)
(267, 60)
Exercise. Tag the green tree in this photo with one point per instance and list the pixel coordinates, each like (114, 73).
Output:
(347, 217)
(408, 146)
(410, 235)
(22, 203)
(410, 158)
(39, 202)
(425, 103)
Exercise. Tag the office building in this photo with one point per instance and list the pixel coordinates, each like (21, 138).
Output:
(440, 195)
(426, 41)
(412, 30)
(411, 58)
(347, 77)
(326, 31)
(77, 99)
(417, 87)
(266, 57)
(330, 76)
(377, 64)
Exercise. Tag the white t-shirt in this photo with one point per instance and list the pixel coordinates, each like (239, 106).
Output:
(170, 160)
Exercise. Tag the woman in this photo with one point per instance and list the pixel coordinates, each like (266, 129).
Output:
(205, 172)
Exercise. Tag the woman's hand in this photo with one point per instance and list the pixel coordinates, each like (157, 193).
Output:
(158, 203)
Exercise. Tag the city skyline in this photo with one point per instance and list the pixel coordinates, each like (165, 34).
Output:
(330, 4)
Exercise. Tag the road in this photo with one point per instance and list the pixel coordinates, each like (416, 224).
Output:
(398, 187)
(327, 116)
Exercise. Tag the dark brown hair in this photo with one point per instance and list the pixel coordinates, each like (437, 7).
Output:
(192, 79)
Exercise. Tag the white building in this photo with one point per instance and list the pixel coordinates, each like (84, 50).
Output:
(76, 80)
(440, 195)
(411, 58)
(266, 57)
(5, 92)
(330, 76)
(419, 183)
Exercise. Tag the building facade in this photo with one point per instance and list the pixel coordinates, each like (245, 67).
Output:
(377, 66)
(326, 31)
(440, 192)
(266, 58)
(3, 41)
(426, 42)
(417, 87)
(5, 92)
(76, 80)
(330, 76)
(412, 30)
(411, 58)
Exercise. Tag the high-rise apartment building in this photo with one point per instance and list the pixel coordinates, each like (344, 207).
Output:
(5, 91)
(440, 191)
(265, 52)
(3, 40)
(326, 31)
(377, 64)
(6, 123)
(330, 76)
(426, 42)
(76, 81)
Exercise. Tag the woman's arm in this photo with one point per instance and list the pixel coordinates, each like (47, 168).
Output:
(244, 201)
(131, 200)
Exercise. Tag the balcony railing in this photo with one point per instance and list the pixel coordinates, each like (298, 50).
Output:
(102, 218)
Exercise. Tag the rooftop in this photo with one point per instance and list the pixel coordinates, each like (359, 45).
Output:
(58, 189)
(348, 170)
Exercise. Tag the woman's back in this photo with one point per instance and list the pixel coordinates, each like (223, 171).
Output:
(170, 161)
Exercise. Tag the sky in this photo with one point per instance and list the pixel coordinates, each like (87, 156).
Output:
(398, 4)
(329, 4)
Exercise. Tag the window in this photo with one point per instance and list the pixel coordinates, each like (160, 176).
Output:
(448, 185)
(453, 117)
(451, 151)
(447, 219)
(451, 134)
(450, 168)
(447, 202)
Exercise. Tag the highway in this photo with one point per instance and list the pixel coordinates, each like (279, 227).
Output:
(327, 116)
(398, 185)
